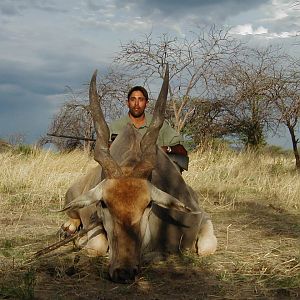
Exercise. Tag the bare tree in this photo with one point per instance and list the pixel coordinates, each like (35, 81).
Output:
(287, 101)
(74, 118)
(244, 86)
(192, 61)
(206, 122)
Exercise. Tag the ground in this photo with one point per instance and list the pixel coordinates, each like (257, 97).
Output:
(253, 202)
(257, 258)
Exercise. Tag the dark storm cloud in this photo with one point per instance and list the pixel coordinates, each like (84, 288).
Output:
(178, 6)
(10, 8)
(23, 112)
(29, 96)
(28, 80)
(214, 10)
(48, 45)
(38, 59)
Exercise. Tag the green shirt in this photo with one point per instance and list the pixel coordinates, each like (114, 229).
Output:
(167, 135)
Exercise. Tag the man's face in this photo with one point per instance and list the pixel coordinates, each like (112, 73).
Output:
(137, 104)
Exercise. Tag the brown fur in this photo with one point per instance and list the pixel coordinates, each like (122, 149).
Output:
(127, 198)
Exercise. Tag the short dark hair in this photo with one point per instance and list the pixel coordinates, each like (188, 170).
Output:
(138, 88)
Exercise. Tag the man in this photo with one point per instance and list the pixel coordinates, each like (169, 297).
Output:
(170, 141)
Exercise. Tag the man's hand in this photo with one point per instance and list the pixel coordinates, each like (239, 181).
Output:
(176, 149)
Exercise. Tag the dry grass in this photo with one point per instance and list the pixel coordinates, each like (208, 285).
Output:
(36, 180)
(253, 200)
(248, 176)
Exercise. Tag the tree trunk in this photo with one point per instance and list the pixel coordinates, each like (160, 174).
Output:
(295, 148)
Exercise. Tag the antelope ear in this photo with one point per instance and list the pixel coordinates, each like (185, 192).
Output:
(166, 200)
(92, 196)
(177, 217)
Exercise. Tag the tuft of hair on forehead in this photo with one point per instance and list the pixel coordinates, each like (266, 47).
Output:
(127, 198)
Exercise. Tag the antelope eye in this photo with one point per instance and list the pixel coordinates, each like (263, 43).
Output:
(103, 204)
(149, 204)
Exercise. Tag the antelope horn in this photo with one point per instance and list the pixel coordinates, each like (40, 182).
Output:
(148, 142)
(150, 137)
(101, 152)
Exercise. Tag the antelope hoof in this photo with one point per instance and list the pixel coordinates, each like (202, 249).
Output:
(207, 241)
(207, 246)
(69, 228)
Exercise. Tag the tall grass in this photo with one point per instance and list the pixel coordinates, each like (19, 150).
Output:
(39, 178)
(225, 176)
(31, 181)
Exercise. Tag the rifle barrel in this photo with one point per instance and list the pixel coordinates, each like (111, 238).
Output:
(71, 137)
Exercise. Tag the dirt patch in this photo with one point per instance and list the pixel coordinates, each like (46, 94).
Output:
(257, 258)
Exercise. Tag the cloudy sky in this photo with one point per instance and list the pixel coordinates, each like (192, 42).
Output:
(47, 45)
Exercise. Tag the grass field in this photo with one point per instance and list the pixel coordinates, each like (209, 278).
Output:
(253, 199)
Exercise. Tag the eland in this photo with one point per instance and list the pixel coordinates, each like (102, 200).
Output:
(135, 201)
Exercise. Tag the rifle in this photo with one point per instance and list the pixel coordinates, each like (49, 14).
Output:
(181, 160)
(71, 137)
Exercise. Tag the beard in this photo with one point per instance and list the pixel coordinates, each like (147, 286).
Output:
(136, 113)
